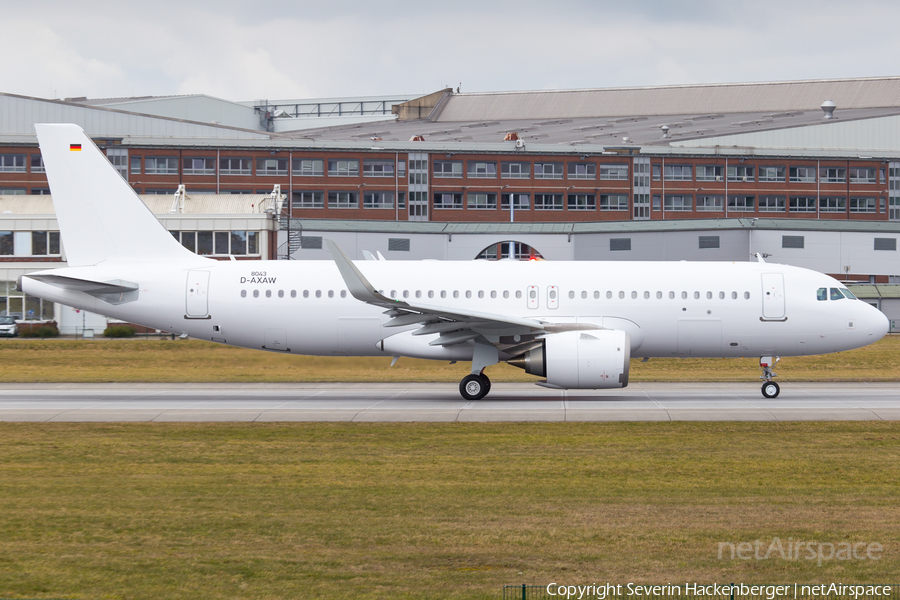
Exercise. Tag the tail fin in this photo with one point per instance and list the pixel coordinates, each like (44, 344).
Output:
(100, 217)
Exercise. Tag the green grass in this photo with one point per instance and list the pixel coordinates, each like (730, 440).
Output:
(196, 361)
(431, 510)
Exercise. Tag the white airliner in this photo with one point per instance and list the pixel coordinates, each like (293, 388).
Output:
(577, 324)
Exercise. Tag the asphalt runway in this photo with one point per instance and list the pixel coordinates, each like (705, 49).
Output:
(409, 402)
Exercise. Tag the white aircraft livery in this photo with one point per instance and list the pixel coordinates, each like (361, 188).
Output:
(576, 324)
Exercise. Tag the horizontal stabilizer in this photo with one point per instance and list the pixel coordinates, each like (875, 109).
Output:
(112, 292)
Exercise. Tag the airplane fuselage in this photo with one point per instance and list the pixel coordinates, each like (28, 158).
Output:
(668, 308)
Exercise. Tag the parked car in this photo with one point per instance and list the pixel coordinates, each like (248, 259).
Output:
(8, 327)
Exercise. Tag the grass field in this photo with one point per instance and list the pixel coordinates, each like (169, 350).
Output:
(157, 360)
(109, 511)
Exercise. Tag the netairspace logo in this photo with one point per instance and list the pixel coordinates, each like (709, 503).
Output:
(608, 591)
(800, 550)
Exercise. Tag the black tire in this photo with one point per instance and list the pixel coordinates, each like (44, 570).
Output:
(770, 389)
(474, 387)
(487, 382)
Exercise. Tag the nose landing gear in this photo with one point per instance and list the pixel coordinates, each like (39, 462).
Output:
(770, 389)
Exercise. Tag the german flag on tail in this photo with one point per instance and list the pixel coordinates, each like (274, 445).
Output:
(75, 147)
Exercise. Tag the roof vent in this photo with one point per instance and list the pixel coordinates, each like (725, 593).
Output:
(417, 138)
(665, 130)
(512, 136)
(828, 108)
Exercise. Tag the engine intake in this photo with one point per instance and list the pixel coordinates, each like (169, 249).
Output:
(593, 359)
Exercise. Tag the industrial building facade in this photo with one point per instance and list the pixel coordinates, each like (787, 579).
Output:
(680, 172)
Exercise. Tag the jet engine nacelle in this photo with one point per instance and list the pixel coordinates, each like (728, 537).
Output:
(590, 359)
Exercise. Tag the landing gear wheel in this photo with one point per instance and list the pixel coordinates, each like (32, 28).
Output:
(770, 389)
(474, 387)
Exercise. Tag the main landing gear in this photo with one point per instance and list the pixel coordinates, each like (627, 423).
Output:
(770, 389)
(475, 387)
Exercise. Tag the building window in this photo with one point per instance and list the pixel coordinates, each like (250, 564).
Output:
(582, 202)
(308, 167)
(447, 169)
(792, 241)
(802, 174)
(342, 200)
(515, 170)
(741, 173)
(520, 201)
(710, 173)
(833, 175)
(343, 168)
(679, 173)
(309, 200)
(771, 174)
(679, 202)
(376, 200)
(235, 166)
(481, 201)
(398, 244)
(272, 166)
(582, 171)
(161, 165)
(711, 203)
(886, 244)
(615, 172)
(199, 166)
(37, 164)
(801, 204)
(619, 244)
(448, 200)
(12, 163)
(378, 168)
(136, 165)
(863, 205)
(44, 242)
(222, 243)
(863, 175)
(709, 241)
(833, 204)
(481, 170)
(742, 203)
(613, 201)
(46, 192)
(13, 191)
(656, 176)
(548, 202)
(310, 242)
(772, 203)
(548, 170)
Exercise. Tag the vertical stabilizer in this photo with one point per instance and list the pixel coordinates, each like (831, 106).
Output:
(100, 217)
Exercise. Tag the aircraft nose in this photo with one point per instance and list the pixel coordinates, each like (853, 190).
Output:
(874, 323)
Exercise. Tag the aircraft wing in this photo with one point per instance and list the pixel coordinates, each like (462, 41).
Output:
(455, 325)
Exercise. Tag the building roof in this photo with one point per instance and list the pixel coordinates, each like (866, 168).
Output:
(780, 96)
(159, 204)
(413, 227)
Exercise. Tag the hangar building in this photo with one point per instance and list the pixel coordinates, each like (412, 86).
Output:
(807, 172)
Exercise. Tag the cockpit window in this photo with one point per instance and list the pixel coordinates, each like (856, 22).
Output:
(836, 294)
(848, 294)
(822, 294)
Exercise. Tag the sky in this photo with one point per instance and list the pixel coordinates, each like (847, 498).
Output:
(239, 50)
